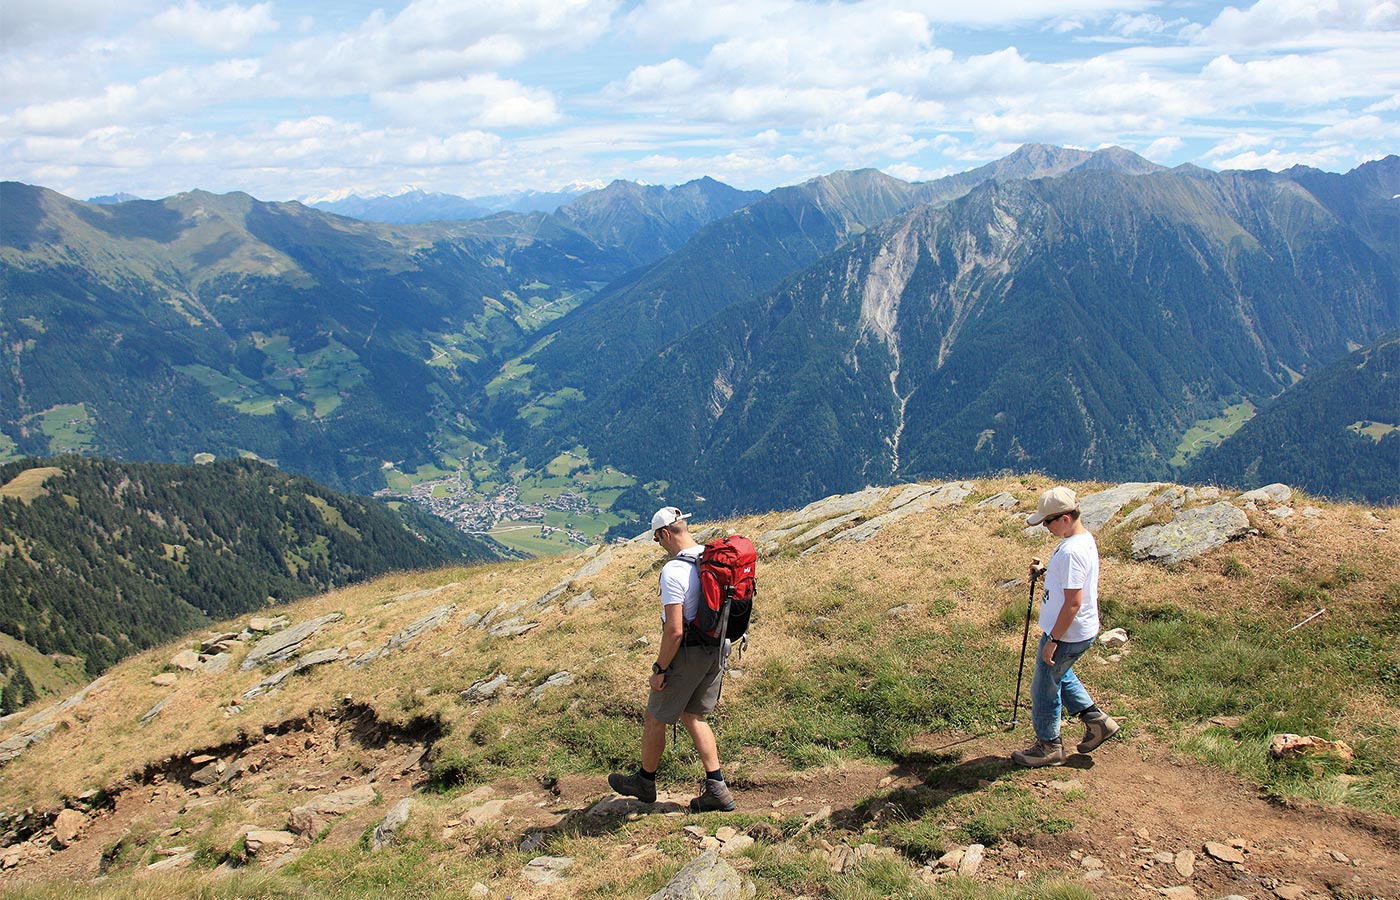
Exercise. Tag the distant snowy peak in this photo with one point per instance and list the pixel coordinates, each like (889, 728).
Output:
(109, 199)
(410, 204)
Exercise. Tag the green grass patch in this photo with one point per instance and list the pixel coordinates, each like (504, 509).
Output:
(1373, 430)
(1210, 432)
(69, 427)
(9, 450)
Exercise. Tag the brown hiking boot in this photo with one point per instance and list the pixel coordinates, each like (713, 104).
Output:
(714, 797)
(1041, 753)
(634, 785)
(1100, 727)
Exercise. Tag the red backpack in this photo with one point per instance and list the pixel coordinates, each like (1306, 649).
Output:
(726, 590)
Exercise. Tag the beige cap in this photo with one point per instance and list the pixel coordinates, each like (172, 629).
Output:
(1053, 502)
(667, 515)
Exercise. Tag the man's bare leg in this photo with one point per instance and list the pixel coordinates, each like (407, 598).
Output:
(654, 742)
(704, 740)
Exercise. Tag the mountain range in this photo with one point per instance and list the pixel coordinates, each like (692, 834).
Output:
(1070, 311)
(412, 205)
(1076, 325)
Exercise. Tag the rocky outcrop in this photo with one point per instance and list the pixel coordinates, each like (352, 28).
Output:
(1269, 493)
(309, 818)
(1095, 510)
(485, 690)
(707, 877)
(284, 645)
(830, 507)
(416, 629)
(44, 722)
(558, 679)
(1193, 532)
(262, 842)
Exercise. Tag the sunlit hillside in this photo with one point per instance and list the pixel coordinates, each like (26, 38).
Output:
(863, 730)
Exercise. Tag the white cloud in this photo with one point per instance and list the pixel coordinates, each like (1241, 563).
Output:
(1329, 157)
(225, 29)
(475, 97)
(158, 96)
(1236, 144)
(1369, 128)
(24, 23)
(1273, 23)
(439, 39)
(483, 100)
(1163, 148)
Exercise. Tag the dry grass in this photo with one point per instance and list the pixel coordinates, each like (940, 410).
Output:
(29, 484)
(823, 624)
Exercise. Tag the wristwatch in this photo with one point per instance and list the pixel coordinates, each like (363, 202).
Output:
(657, 670)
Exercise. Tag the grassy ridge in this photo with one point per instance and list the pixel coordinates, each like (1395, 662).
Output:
(858, 650)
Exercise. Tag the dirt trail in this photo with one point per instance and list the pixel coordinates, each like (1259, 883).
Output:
(1135, 806)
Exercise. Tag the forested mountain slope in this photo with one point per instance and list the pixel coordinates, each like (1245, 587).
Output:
(99, 559)
(1336, 432)
(742, 256)
(159, 329)
(1077, 325)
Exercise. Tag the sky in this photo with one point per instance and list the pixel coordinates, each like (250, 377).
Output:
(292, 99)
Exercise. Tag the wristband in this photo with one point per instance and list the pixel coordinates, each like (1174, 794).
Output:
(657, 670)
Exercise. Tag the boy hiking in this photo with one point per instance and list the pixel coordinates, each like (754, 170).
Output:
(685, 679)
(1069, 618)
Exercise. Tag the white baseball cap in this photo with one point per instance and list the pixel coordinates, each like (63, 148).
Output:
(667, 515)
(1054, 502)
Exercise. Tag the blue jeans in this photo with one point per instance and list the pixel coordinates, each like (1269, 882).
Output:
(1055, 687)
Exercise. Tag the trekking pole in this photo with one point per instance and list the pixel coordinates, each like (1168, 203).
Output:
(1025, 636)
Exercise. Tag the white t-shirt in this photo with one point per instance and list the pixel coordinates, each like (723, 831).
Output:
(1075, 564)
(680, 583)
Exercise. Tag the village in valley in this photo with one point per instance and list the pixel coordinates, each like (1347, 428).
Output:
(550, 511)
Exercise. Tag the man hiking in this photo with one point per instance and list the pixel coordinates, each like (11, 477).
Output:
(685, 679)
(1069, 618)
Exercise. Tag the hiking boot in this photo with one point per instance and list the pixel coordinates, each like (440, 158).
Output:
(715, 797)
(634, 785)
(1041, 753)
(1101, 727)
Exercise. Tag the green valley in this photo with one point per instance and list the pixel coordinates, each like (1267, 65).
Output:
(1210, 432)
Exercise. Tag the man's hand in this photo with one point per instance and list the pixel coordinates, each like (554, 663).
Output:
(1047, 653)
(1037, 569)
(657, 682)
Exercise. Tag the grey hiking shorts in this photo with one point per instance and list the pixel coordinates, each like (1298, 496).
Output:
(692, 686)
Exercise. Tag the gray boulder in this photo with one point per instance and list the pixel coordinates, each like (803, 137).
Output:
(1095, 510)
(271, 682)
(283, 645)
(708, 877)
(910, 493)
(414, 630)
(558, 679)
(387, 832)
(1003, 500)
(319, 658)
(1269, 493)
(822, 529)
(155, 710)
(951, 494)
(486, 689)
(546, 869)
(217, 664)
(582, 601)
(1193, 532)
(837, 505)
(593, 566)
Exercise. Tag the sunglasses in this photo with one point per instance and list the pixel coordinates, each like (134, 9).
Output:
(1048, 519)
